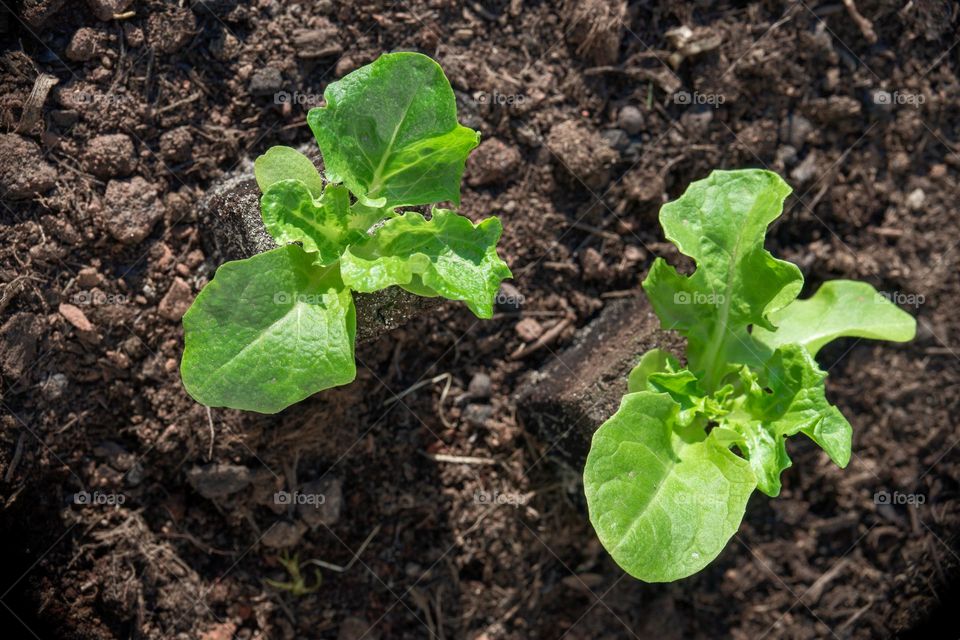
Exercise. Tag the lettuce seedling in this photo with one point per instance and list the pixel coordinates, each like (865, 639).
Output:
(270, 330)
(668, 476)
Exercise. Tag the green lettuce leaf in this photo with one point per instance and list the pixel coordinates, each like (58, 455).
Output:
(662, 506)
(284, 163)
(324, 226)
(653, 361)
(447, 255)
(267, 332)
(720, 222)
(840, 308)
(389, 132)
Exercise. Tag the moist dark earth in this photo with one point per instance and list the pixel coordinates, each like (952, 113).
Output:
(117, 116)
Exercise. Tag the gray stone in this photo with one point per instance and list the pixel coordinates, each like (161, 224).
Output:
(218, 480)
(283, 534)
(630, 119)
(327, 502)
(480, 386)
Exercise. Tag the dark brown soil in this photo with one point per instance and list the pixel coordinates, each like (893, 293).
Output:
(611, 110)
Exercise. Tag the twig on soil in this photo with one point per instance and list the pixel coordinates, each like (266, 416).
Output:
(849, 622)
(606, 235)
(444, 457)
(356, 556)
(548, 337)
(212, 434)
(865, 26)
(200, 544)
(33, 106)
(812, 595)
(624, 293)
(16, 459)
(399, 396)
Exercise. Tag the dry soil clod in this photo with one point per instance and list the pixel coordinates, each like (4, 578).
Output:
(577, 391)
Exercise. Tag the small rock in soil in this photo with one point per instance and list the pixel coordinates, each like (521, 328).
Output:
(480, 386)
(88, 277)
(916, 199)
(176, 145)
(76, 317)
(54, 387)
(594, 268)
(17, 152)
(795, 130)
(18, 343)
(477, 415)
(132, 209)
(106, 9)
(36, 12)
(284, 534)
(134, 35)
(325, 510)
(529, 329)
(492, 162)
(806, 169)
(177, 301)
(630, 119)
(169, 31)
(616, 138)
(218, 480)
(266, 81)
(84, 44)
(582, 152)
(110, 156)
